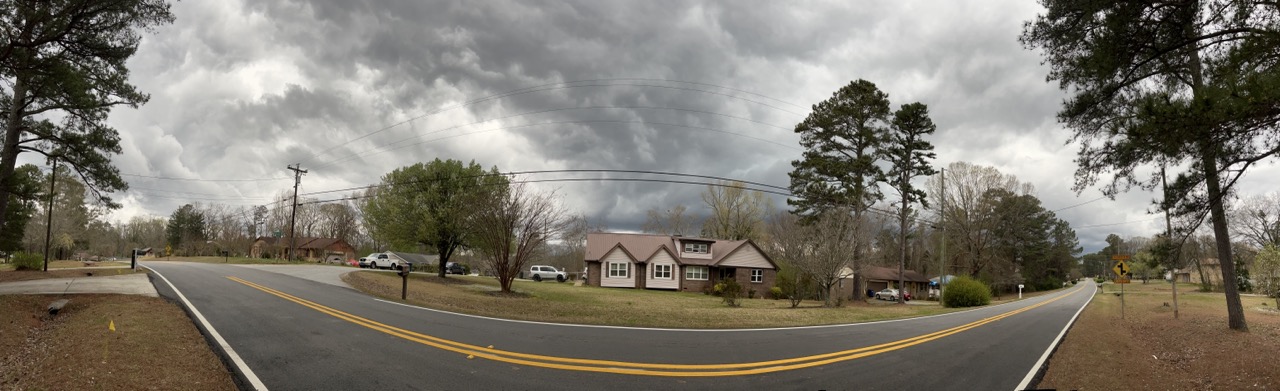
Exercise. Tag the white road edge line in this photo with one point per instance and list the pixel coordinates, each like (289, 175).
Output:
(825, 326)
(1026, 381)
(231, 353)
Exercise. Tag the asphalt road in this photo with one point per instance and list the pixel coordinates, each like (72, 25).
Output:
(299, 333)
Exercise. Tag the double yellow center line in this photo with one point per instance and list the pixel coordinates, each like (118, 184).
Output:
(635, 368)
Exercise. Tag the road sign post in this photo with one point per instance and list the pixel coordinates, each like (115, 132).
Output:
(1122, 276)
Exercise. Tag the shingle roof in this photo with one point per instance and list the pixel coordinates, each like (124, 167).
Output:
(643, 246)
(891, 274)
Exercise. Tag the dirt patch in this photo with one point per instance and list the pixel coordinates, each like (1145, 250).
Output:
(1150, 350)
(27, 275)
(154, 345)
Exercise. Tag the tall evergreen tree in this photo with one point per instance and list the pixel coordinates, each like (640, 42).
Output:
(67, 60)
(186, 228)
(844, 137)
(1168, 83)
(908, 154)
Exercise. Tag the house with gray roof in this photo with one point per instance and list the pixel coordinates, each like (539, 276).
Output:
(622, 260)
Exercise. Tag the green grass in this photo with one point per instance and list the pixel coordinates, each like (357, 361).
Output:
(566, 303)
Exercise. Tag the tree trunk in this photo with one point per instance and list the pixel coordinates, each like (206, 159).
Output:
(9, 153)
(1213, 186)
(902, 232)
(1235, 310)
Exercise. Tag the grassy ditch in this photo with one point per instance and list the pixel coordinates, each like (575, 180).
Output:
(154, 346)
(1149, 349)
(566, 303)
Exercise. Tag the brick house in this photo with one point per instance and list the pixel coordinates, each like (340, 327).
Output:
(316, 249)
(878, 278)
(676, 263)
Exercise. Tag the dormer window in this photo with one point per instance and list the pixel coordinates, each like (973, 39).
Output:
(697, 248)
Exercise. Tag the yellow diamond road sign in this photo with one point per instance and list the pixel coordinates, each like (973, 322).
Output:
(1121, 268)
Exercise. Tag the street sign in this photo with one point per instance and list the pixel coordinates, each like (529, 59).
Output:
(1121, 280)
(1121, 268)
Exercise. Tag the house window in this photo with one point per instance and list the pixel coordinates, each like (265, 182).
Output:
(618, 270)
(757, 275)
(662, 272)
(699, 248)
(696, 273)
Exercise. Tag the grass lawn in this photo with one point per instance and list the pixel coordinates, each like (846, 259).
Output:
(566, 303)
(154, 346)
(237, 260)
(1149, 349)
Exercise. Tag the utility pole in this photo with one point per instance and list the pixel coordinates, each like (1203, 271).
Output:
(48, 223)
(942, 227)
(293, 216)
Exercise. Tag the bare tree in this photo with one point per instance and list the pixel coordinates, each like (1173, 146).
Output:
(1257, 218)
(966, 225)
(819, 250)
(673, 221)
(513, 226)
(736, 213)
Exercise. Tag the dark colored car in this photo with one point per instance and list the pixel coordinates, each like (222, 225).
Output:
(455, 268)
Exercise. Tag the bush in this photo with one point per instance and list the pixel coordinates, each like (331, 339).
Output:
(28, 261)
(966, 292)
(729, 290)
(1047, 283)
(775, 293)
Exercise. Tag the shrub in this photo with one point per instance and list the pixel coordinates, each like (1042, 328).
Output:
(28, 261)
(729, 290)
(1047, 283)
(775, 293)
(966, 292)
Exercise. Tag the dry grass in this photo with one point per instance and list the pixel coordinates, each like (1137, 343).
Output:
(154, 346)
(1150, 350)
(25, 275)
(566, 303)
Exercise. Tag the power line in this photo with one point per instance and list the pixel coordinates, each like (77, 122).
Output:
(1080, 204)
(393, 145)
(564, 85)
(203, 179)
(1121, 223)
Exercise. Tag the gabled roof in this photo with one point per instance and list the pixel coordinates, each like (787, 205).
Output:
(599, 244)
(891, 274)
(642, 247)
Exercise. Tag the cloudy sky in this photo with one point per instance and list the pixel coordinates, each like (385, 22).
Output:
(354, 89)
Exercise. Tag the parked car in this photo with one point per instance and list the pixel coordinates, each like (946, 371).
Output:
(367, 262)
(887, 294)
(543, 272)
(383, 261)
(454, 268)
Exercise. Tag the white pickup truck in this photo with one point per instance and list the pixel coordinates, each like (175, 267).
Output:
(380, 261)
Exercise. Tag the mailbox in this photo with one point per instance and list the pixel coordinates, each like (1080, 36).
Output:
(404, 270)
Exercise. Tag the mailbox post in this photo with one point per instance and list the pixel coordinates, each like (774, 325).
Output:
(1020, 291)
(404, 281)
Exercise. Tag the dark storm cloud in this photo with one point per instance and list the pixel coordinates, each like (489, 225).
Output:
(354, 89)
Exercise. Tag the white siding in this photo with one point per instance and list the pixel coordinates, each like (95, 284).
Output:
(617, 256)
(746, 257)
(662, 258)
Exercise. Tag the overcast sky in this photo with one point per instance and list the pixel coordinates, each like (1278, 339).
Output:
(354, 89)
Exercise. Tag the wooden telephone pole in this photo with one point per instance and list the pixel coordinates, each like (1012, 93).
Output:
(293, 215)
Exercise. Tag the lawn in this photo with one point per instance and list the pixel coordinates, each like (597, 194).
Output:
(1149, 349)
(154, 346)
(235, 260)
(567, 303)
